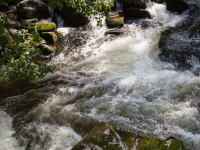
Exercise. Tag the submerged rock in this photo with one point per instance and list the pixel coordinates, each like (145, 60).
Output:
(106, 137)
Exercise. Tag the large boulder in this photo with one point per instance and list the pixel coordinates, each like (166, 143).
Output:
(106, 137)
(137, 13)
(76, 19)
(29, 9)
(176, 5)
(135, 3)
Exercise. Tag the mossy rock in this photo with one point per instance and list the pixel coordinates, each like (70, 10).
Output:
(155, 144)
(106, 137)
(49, 37)
(46, 49)
(115, 22)
(46, 26)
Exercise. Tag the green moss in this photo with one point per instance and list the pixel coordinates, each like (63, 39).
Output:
(127, 137)
(176, 144)
(46, 26)
(115, 22)
(149, 144)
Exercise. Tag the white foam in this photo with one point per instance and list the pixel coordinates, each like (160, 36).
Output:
(7, 142)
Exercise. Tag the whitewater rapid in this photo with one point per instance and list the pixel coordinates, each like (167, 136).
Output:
(119, 80)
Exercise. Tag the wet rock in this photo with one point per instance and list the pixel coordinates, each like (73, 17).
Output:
(137, 13)
(46, 49)
(29, 9)
(114, 20)
(176, 5)
(135, 3)
(49, 37)
(104, 136)
(46, 26)
(114, 32)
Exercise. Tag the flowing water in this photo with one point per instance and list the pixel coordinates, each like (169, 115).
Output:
(97, 77)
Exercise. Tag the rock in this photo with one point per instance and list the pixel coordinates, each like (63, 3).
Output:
(106, 137)
(137, 13)
(34, 20)
(46, 49)
(76, 20)
(158, 1)
(114, 32)
(66, 11)
(135, 3)
(29, 9)
(176, 5)
(114, 20)
(5, 39)
(12, 24)
(49, 37)
(28, 42)
(46, 26)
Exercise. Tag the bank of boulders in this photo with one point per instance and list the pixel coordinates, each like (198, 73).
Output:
(136, 9)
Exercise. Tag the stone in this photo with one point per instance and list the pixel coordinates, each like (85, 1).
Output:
(46, 49)
(34, 20)
(115, 22)
(12, 24)
(114, 32)
(137, 13)
(176, 5)
(76, 20)
(49, 37)
(158, 1)
(5, 39)
(106, 137)
(46, 26)
(135, 3)
(29, 9)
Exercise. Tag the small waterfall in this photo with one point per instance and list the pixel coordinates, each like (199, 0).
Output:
(119, 5)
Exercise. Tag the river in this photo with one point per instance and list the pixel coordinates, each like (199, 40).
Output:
(97, 77)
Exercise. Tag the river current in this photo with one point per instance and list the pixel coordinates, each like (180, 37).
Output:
(115, 79)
